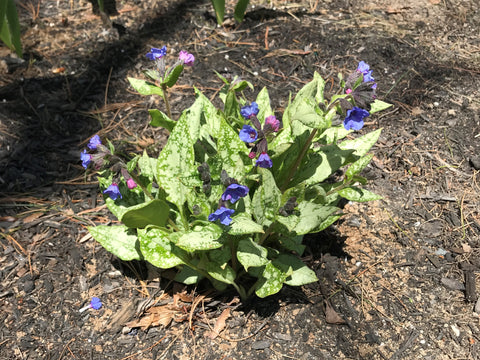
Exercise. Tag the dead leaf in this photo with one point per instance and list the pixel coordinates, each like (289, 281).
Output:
(32, 217)
(219, 324)
(466, 248)
(434, 2)
(331, 316)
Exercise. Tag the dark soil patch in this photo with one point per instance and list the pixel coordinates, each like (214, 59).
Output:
(400, 272)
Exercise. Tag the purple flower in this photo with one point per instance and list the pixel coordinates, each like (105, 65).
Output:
(94, 142)
(113, 192)
(155, 53)
(354, 119)
(186, 57)
(272, 122)
(223, 214)
(234, 192)
(248, 134)
(248, 111)
(96, 303)
(364, 68)
(264, 161)
(85, 158)
(131, 184)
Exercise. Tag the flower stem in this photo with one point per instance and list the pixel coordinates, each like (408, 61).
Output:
(297, 163)
(165, 98)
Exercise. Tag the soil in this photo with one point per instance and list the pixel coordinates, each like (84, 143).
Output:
(398, 277)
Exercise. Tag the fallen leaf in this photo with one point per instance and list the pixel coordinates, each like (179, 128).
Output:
(466, 248)
(331, 316)
(219, 324)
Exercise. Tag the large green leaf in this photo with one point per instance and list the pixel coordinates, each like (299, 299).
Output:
(266, 200)
(201, 238)
(358, 166)
(271, 281)
(362, 144)
(250, 254)
(161, 119)
(145, 87)
(353, 193)
(223, 274)
(154, 212)
(319, 165)
(219, 7)
(120, 240)
(263, 102)
(240, 9)
(158, 250)
(309, 114)
(310, 218)
(379, 105)
(177, 158)
(243, 224)
(188, 276)
(9, 26)
(173, 75)
(300, 274)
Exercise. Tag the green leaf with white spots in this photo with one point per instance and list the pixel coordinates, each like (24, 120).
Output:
(353, 193)
(358, 166)
(309, 114)
(264, 108)
(309, 219)
(378, 105)
(120, 240)
(177, 158)
(271, 281)
(243, 224)
(145, 87)
(266, 200)
(250, 254)
(201, 238)
(157, 249)
(361, 145)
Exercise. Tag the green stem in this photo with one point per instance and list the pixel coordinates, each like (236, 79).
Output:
(297, 163)
(165, 98)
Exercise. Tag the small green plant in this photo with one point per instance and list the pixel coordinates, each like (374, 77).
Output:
(239, 12)
(9, 26)
(234, 190)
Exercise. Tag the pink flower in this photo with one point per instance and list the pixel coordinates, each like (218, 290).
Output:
(186, 57)
(348, 91)
(272, 122)
(131, 184)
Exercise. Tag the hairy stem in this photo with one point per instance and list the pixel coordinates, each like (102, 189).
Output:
(165, 98)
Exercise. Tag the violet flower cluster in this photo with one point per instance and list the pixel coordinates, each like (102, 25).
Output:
(256, 136)
(98, 156)
(232, 194)
(362, 94)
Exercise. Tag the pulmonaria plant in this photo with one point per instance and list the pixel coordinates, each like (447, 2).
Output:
(234, 190)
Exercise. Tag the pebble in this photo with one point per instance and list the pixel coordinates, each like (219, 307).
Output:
(260, 345)
(451, 112)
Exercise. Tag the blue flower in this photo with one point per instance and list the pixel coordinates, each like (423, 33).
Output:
(364, 68)
(113, 192)
(248, 111)
(264, 161)
(155, 53)
(85, 158)
(354, 119)
(96, 303)
(234, 192)
(94, 142)
(248, 134)
(223, 214)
